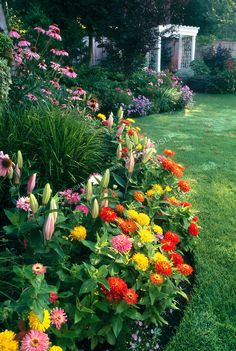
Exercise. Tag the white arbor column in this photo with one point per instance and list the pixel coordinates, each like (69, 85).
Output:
(158, 53)
(180, 51)
(193, 48)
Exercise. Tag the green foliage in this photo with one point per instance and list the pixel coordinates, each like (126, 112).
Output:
(63, 146)
(6, 47)
(199, 67)
(5, 80)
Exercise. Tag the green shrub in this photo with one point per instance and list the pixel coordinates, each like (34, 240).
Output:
(5, 79)
(199, 67)
(168, 99)
(63, 146)
(6, 47)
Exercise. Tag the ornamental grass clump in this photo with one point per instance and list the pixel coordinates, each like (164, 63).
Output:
(114, 250)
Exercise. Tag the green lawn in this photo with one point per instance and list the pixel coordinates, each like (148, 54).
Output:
(205, 141)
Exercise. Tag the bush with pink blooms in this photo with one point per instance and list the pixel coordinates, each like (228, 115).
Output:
(79, 264)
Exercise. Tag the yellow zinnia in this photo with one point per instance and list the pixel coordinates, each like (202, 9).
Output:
(35, 323)
(146, 236)
(8, 342)
(150, 192)
(143, 219)
(132, 214)
(130, 120)
(139, 147)
(158, 189)
(55, 348)
(101, 116)
(168, 188)
(141, 261)
(78, 233)
(159, 257)
(157, 229)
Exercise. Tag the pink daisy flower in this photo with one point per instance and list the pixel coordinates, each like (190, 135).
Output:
(14, 34)
(69, 72)
(58, 317)
(23, 42)
(23, 203)
(40, 30)
(82, 208)
(5, 164)
(38, 269)
(42, 65)
(121, 243)
(35, 340)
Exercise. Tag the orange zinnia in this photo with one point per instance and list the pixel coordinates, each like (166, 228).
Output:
(169, 152)
(138, 196)
(128, 226)
(156, 278)
(119, 208)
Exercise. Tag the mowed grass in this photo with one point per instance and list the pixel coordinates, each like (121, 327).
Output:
(204, 139)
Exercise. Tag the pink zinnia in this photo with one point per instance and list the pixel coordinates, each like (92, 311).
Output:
(5, 164)
(23, 203)
(14, 34)
(23, 42)
(69, 72)
(70, 197)
(121, 243)
(82, 208)
(38, 269)
(35, 340)
(58, 317)
(40, 30)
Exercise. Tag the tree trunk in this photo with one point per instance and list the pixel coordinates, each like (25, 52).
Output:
(3, 22)
(91, 50)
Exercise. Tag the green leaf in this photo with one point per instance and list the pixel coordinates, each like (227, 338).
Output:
(89, 244)
(16, 218)
(119, 180)
(94, 342)
(88, 286)
(117, 324)
(111, 338)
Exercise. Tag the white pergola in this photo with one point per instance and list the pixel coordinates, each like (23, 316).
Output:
(179, 32)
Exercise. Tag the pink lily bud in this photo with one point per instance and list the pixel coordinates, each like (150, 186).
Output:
(130, 163)
(110, 121)
(105, 199)
(49, 227)
(31, 183)
(120, 130)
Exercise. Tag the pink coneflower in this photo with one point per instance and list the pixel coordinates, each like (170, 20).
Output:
(55, 83)
(69, 72)
(40, 30)
(53, 34)
(55, 27)
(31, 97)
(35, 340)
(29, 54)
(93, 105)
(42, 65)
(56, 66)
(5, 164)
(82, 208)
(59, 52)
(46, 91)
(70, 197)
(38, 269)
(18, 60)
(54, 101)
(23, 42)
(121, 243)
(23, 203)
(58, 317)
(14, 34)
(79, 91)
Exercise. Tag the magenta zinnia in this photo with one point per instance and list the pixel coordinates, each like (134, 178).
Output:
(121, 243)
(35, 341)
(58, 317)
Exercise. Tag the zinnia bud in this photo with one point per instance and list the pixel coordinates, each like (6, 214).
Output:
(120, 113)
(110, 121)
(47, 191)
(31, 183)
(17, 175)
(130, 163)
(119, 152)
(49, 227)
(33, 203)
(53, 207)
(105, 179)
(95, 209)
(120, 130)
(89, 190)
(147, 155)
(19, 159)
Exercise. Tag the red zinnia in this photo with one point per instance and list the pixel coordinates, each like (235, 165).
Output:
(53, 297)
(169, 152)
(185, 269)
(167, 245)
(171, 236)
(130, 296)
(177, 258)
(156, 278)
(128, 226)
(195, 219)
(117, 288)
(193, 229)
(107, 214)
(184, 186)
(163, 267)
(138, 196)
